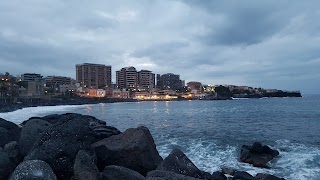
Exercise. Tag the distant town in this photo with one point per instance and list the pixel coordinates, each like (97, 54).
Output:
(95, 81)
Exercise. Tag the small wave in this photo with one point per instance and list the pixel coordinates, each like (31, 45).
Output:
(20, 115)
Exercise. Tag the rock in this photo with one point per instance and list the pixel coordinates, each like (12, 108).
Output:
(133, 149)
(242, 175)
(179, 163)
(228, 171)
(257, 155)
(117, 172)
(5, 165)
(33, 169)
(167, 175)
(218, 176)
(84, 167)
(262, 176)
(30, 133)
(63, 140)
(8, 132)
(12, 149)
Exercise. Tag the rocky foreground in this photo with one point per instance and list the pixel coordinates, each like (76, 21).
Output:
(79, 147)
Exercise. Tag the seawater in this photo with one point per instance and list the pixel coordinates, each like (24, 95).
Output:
(211, 133)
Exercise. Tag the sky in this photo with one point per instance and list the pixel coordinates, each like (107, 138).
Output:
(268, 44)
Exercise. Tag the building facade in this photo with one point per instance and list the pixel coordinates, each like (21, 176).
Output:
(169, 81)
(31, 77)
(146, 80)
(93, 75)
(194, 85)
(127, 78)
(56, 81)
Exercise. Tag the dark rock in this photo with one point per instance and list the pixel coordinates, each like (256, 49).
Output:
(256, 148)
(257, 155)
(5, 165)
(84, 167)
(117, 172)
(262, 176)
(167, 175)
(8, 132)
(218, 176)
(179, 163)
(228, 171)
(12, 149)
(34, 169)
(133, 149)
(30, 133)
(242, 175)
(63, 140)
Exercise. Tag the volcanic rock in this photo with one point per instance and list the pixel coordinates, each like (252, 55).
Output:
(12, 149)
(242, 175)
(8, 132)
(84, 167)
(133, 149)
(179, 163)
(5, 165)
(262, 176)
(30, 133)
(167, 175)
(117, 172)
(257, 155)
(33, 169)
(63, 140)
(218, 176)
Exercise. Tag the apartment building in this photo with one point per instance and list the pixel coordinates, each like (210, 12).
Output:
(93, 75)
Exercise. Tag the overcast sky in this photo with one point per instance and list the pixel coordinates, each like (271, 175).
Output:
(270, 43)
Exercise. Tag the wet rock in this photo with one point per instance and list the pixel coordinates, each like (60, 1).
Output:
(30, 133)
(167, 175)
(242, 175)
(5, 165)
(8, 132)
(63, 140)
(117, 172)
(218, 176)
(179, 163)
(85, 168)
(33, 169)
(12, 149)
(228, 171)
(262, 176)
(133, 149)
(257, 155)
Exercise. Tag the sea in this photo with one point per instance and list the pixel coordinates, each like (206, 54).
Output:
(211, 133)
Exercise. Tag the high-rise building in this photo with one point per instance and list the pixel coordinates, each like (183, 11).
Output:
(169, 81)
(31, 77)
(56, 81)
(146, 80)
(94, 75)
(127, 78)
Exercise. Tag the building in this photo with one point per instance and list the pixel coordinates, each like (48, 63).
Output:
(93, 75)
(35, 88)
(127, 78)
(146, 80)
(31, 77)
(194, 85)
(56, 81)
(169, 81)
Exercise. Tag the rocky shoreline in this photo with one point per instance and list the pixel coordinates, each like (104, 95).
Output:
(80, 147)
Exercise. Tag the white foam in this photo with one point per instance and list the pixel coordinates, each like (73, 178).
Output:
(20, 115)
(298, 162)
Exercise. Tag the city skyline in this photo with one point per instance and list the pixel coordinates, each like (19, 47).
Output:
(260, 44)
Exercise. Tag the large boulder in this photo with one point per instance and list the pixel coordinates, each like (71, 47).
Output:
(84, 167)
(167, 175)
(63, 140)
(12, 149)
(262, 176)
(8, 132)
(218, 176)
(5, 165)
(30, 133)
(34, 169)
(257, 155)
(179, 163)
(117, 172)
(133, 149)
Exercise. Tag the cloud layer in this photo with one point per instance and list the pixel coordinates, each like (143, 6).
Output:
(271, 44)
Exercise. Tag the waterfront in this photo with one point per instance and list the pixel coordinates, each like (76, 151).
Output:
(212, 132)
